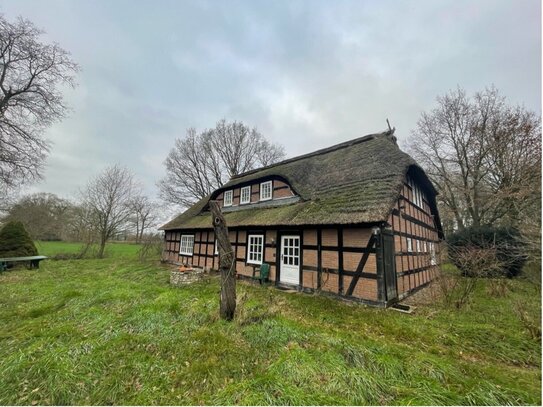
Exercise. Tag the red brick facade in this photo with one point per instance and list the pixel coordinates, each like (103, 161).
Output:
(331, 255)
(355, 239)
(280, 190)
(419, 265)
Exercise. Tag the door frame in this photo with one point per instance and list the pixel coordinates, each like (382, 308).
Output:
(386, 264)
(295, 233)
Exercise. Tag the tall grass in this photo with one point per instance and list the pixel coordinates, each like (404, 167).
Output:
(113, 331)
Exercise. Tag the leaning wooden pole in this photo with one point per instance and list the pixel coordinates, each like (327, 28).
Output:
(226, 263)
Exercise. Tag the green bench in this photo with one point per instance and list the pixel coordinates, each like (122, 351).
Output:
(263, 273)
(33, 261)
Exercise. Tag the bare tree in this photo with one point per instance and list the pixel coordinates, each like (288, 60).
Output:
(8, 196)
(152, 246)
(201, 163)
(107, 198)
(45, 216)
(188, 176)
(143, 214)
(31, 75)
(240, 148)
(483, 155)
(83, 228)
(269, 153)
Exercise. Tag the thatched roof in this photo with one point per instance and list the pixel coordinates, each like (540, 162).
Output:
(356, 182)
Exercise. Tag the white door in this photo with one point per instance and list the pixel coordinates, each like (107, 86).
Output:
(290, 260)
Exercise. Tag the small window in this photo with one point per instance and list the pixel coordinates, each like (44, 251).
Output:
(418, 194)
(228, 198)
(266, 190)
(245, 195)
(409, 245)
(418, 246)
(425, 247)
(216, 247)
(187, 245)
(255, 249)
(433, 259)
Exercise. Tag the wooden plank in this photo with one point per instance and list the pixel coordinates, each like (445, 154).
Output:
(24, 258)
(301, 258)
(340, 259)
(319, 258)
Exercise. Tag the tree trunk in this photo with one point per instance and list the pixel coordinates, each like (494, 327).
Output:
(226, 263)
(140, 236)
(102, 248)
(137, 229)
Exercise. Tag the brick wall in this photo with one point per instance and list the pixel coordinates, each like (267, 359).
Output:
(280, 190)
(354, 239)
(415, 227)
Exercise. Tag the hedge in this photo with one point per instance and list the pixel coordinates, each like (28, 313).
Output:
(15, 241)
(505, 241)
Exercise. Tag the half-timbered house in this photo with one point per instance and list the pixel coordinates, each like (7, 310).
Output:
(357, 220)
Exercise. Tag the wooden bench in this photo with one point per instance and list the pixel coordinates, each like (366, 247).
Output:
(33, 261)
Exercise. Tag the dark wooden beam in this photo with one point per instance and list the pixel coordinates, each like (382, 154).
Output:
(301, 259)
(207, 244)
(319, 259)
(199, 247)
(340, 259)
(361, 265)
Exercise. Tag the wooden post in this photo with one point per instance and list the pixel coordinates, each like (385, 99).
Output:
(226, 263)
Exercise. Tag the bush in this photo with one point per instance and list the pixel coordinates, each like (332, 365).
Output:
(508, 252)
(531, 321)
(151, 246)
(455, 290)
(15, 241)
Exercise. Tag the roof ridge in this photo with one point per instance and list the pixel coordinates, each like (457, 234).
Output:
(325, 150)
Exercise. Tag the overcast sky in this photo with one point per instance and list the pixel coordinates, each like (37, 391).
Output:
(306, 74)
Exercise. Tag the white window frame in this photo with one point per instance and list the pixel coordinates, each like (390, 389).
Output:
(418, 194)
(409, 245)
(270, 183)
(184, 246)
(243, 201)
(230, 194)
(252, 256)
(418, 246)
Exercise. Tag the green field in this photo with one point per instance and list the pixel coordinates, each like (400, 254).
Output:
(112, 331)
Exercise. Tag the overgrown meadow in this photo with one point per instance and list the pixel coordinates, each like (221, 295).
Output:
(113, 331)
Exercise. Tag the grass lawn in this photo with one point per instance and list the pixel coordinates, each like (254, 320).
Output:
(113, 331)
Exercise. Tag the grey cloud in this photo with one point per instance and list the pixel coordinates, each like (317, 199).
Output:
(307, 74)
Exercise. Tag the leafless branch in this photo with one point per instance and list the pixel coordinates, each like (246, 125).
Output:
(31, 76)
(203, 162)
(107, 199)
(483, 155)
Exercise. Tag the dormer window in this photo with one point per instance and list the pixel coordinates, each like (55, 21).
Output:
(245, 197)
(228, 198)
(266, 190)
